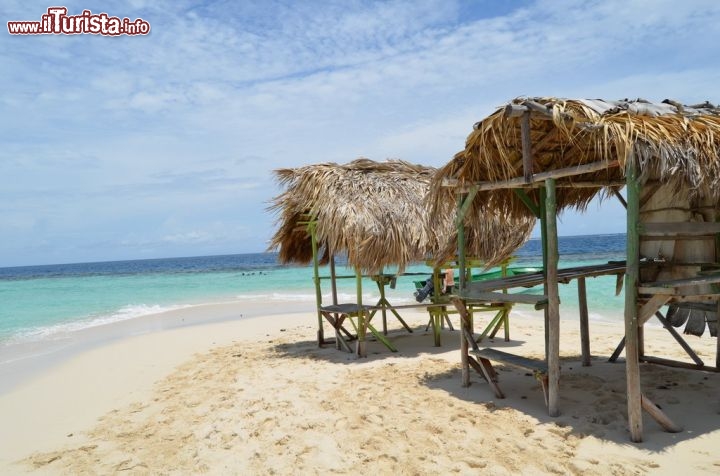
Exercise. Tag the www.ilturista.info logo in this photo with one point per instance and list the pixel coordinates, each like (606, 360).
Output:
(57, 22)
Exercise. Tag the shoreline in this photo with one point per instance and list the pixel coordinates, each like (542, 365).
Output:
(24, 360)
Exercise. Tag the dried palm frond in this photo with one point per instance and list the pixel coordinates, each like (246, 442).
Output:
(375, 213)
(665, 140)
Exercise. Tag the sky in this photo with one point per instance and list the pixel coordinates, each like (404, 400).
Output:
(164, 145)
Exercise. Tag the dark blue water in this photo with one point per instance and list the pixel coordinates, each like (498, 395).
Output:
(199, 264)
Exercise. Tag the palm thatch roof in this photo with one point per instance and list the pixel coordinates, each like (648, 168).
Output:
(666, 140)
(375, 213)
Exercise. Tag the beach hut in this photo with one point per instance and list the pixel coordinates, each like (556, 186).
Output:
(535, 157)
(375, 215)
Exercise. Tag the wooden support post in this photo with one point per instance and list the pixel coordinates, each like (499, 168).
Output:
(551, 280)
(526, 147)
(316, 279)
(459, 304)
(632, 275)
(333, 280)
(717, 323)
(584, 323)
(362, 317)
(464, 344)
(381, 289)
(717, 338)
(543, 240)
(460, 224)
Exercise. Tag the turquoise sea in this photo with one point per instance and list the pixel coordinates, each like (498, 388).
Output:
(39, 302)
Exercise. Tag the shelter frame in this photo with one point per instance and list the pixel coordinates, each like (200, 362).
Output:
(642, 298)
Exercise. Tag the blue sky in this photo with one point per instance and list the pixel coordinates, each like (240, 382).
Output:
(164, 145)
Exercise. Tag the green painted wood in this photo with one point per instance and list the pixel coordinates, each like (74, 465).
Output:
(362, 317)
(461, 244)
(316, 280)
(464, 205)
(532, 206)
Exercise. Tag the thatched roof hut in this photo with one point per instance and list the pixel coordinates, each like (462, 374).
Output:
(376, 214)
(535, 157)
(668, 141)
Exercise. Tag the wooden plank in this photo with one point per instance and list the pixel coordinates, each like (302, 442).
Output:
(517, 298)
(632, 275)
(526, 147)
(649, 238)
(681, 228)
(488, 372)
(617, 351)
(651, 307)
(533, 365)
(677, 283)
(539, 177)
(660, 417)
(553, 351)
(677, 364)
(688, 350)
(597, 184)
(584, 323)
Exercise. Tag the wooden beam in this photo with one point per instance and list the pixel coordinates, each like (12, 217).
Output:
(677, 364)
(526, 147)
(597, 184)
(539, 177)
(651, 307)
(620, 198)
(678, 283)
(688, 350)
(553, 352)
(617, 351)
(681, 228)
(514, 110)
(464, 205)
(632, 275)
(532, 206)
(660, 417)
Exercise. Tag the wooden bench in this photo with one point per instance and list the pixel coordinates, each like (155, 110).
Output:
(537, 367)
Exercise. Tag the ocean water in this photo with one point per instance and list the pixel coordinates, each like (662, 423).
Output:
(40, 302)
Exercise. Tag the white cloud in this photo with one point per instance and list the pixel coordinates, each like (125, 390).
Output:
(190, 120)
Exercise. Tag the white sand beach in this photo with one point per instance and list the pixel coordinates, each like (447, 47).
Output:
(257, 396)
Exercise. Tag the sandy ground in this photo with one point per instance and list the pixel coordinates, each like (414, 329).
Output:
(257, 396)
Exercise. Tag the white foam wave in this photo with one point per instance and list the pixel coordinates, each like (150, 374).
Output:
(58, 331)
